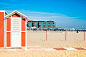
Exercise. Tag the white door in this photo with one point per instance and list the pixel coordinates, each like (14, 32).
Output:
(16, 32)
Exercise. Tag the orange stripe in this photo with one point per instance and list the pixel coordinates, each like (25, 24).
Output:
(8, 24)
(1, 29)
(22, 38)
(8, 39)
(23, 24)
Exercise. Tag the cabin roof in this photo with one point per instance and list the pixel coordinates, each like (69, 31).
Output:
(7, 16)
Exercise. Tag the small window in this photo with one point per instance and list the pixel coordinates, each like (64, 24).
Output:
(53, 22)
(44, 22)
(40, 25)
(53, 25)
(44, 25)
(49, 25)
(33, 26)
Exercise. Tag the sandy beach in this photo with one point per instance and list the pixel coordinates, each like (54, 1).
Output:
(72, 53)
(55, 39)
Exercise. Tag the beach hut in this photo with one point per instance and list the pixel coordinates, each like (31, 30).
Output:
(15, 33)
(2, 34)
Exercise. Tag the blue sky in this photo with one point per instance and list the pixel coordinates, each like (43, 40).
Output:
(65, 13)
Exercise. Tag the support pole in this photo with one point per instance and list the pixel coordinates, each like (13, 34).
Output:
(46, 34)
(84, 35)
(66, 35)
(33, 30)
(36, 29)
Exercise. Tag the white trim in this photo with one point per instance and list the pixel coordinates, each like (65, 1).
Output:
(8, 31)
(20, 30)
(2, 11)
(70, 48)
(23, 31)
(5, 32)
(26, 33)
(11, 31)
(15, 47)
(17, 13)
(8, 47)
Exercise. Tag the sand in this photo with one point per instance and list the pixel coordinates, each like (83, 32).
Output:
(55, 39)
(67, 53)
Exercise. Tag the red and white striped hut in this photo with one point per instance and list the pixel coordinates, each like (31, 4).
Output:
(15, 34)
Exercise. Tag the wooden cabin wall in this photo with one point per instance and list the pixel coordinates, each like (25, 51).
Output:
(1, 29)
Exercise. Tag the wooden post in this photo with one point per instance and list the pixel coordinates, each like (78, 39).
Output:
(46, 34)
(66, 35)
(84, 35)
(36, 29)
(33, 30)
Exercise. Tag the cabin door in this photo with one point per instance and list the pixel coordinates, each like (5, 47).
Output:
(16, 32)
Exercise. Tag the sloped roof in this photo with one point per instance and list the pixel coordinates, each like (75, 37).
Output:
(17, 13)
(5, 13)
